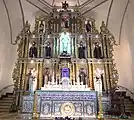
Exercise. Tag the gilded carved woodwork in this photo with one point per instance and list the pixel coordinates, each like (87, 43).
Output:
(111, 74)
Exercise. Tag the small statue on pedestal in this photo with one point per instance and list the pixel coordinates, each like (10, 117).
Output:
(98, 85)
(33, 51)
(88, 27)
(32, 80)
(48, 50)
(97, 51)
(46, 76)
(27, 27)
(65, 22)
(41, 27)
(82, 77)
(81, 51)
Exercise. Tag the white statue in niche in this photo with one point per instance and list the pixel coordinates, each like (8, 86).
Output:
(65, 46)
(97, 81)
(32, 80)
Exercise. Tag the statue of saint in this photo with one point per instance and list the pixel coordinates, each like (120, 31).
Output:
(81, 51)
(98, 85)
(65, 22)
(65, 47)
(82, 77)
(47, 76)
(48, 50)
(41, 27)
(97, 51)
(33, 51)
(88, 27)
(32, 80)
(27, 27)
(98, 81)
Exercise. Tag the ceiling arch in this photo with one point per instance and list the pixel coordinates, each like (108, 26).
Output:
(85, 5)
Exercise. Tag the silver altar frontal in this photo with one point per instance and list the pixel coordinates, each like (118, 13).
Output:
(51, 104)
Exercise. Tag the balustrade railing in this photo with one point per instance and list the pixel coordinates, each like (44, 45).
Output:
(128, 92)
(6, 89)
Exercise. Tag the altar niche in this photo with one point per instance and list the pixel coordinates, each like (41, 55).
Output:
(65, 20)
(46, 76)
(31, 82)
(99, 83)
(98, 51)
(65, 44)
(65, 73)
(88, 26)
(82, 76)
(33, 50)
(48, 50)
(81, 50)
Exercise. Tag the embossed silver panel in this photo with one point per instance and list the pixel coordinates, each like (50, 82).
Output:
(50, 103)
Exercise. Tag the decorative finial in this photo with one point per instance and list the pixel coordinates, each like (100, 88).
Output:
(103, 28)
(65, 5)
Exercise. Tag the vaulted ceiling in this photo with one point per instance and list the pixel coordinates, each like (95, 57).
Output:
(15, 12)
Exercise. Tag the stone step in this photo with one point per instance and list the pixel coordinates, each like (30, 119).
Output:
(10, 96)
(6, 101)
(131, 112)
(4, 107)
(129, 105)
(126, 99)
(129, 108)
(128, 102)
(131, 118)
(4, 110)
(5, 104)
(7, 98)
(7, 95)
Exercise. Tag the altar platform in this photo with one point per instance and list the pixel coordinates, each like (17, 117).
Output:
(51, 104)
(65, 87)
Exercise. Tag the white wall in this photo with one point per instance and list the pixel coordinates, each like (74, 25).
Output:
(123, 54)
(7, 51)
